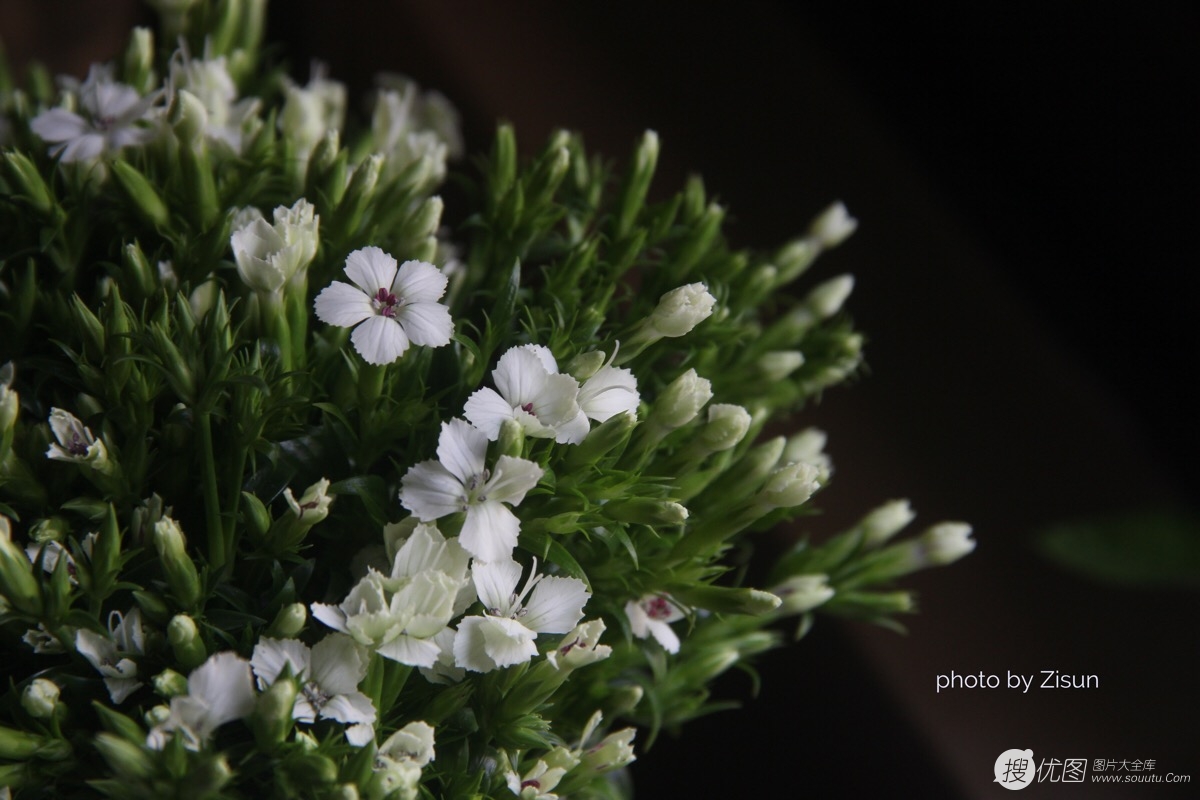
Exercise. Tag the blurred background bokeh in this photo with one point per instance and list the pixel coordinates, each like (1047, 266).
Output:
(1027, 181)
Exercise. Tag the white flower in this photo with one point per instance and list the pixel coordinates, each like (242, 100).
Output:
(946, 543)
(413, 742)
(311, 111)
(504, 636)
(327, 676)
(399, 133)
(109, 123)
(444, 671)
(530, 390)
(75, 441)
(606, 392)
(107, 653)
(388, 307)
(400, 616)
(42, 641)
(458, 481)
(209, 81)
(219, 691)
(313, 505)
(652, 615)
(267, 255)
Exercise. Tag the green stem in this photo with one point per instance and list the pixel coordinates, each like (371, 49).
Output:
(217, 551)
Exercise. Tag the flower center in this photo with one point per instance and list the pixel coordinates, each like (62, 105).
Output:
(657, 608)
(528, 409)
(316, 697)
(531, 782)
(474, 487)
(77, 446)
(385, 303)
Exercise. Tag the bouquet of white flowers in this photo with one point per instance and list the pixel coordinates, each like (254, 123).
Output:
(308, 494)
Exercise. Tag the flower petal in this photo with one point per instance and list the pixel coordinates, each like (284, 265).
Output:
(419, 282)
(411, 651)
(496, 583)
(461, 449)
(469, 646)
(332, 616)
(663, 634)
(379, 340)
(487, 411)
(490, 531)
(556, 605)
(511, 479)
(270, 656)
(350, 708)
(520, 376)
(429, 491)
(609, 392)
(224, 684)
(342, 305)
(371, 269)
(427, 324)
(508, 641)
(338, 664)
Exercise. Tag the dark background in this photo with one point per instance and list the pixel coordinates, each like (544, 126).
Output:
(1026, 179)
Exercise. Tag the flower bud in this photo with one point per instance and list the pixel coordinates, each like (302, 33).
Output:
(946, 543)
(809, 446)
(885, 522)
(270, 255)
(288, 622)
(832, 227)
(169, 683)
(681, 401)
(511, 441)
(127, 760)
(272, 717)
(157, 715)
(585, 365)
(189, 118)
(146, 200)
(17, 583)
(185, 640)
(778, 364)
(178, 567)
(679, 310)
(790, 486)
(613, 752)
(726, 427)
(646, 511)
(414, 743)
(580, 647)
(28, 182)
(801, 593)
(826, 299)
(40, 698)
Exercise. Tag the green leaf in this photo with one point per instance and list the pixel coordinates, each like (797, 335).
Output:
(1149, 549)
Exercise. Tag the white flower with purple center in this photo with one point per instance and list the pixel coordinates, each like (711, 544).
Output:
(110, 121)
(460, 482)
(219, 691)
(108, 654)
(530, 390)
(652, 615)
(504, 636)
(327, 677)
(388, 307)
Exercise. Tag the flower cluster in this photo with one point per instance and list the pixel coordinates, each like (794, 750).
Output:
(307, 492)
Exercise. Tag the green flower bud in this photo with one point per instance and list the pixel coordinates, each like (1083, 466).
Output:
(778, 364)
(146, 201)
(152, 606)
(613, 752)
(512, 439)
(272, 717)
(28, 182)
(681, 401)
(827, 298)
(646, 511)
(185, 640)
(801, 593)
(637, 183)
(256, 515)
(40, 698)
(127, 760)
(169, 683)
(832, 227)
(158, 715)
(288, 622)
(178, 567)
(726, 427)
(946, 543)
(585, 365)
(678, 312)
(17, 583)
(139, 61)
(883, 523)
(790, 486)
